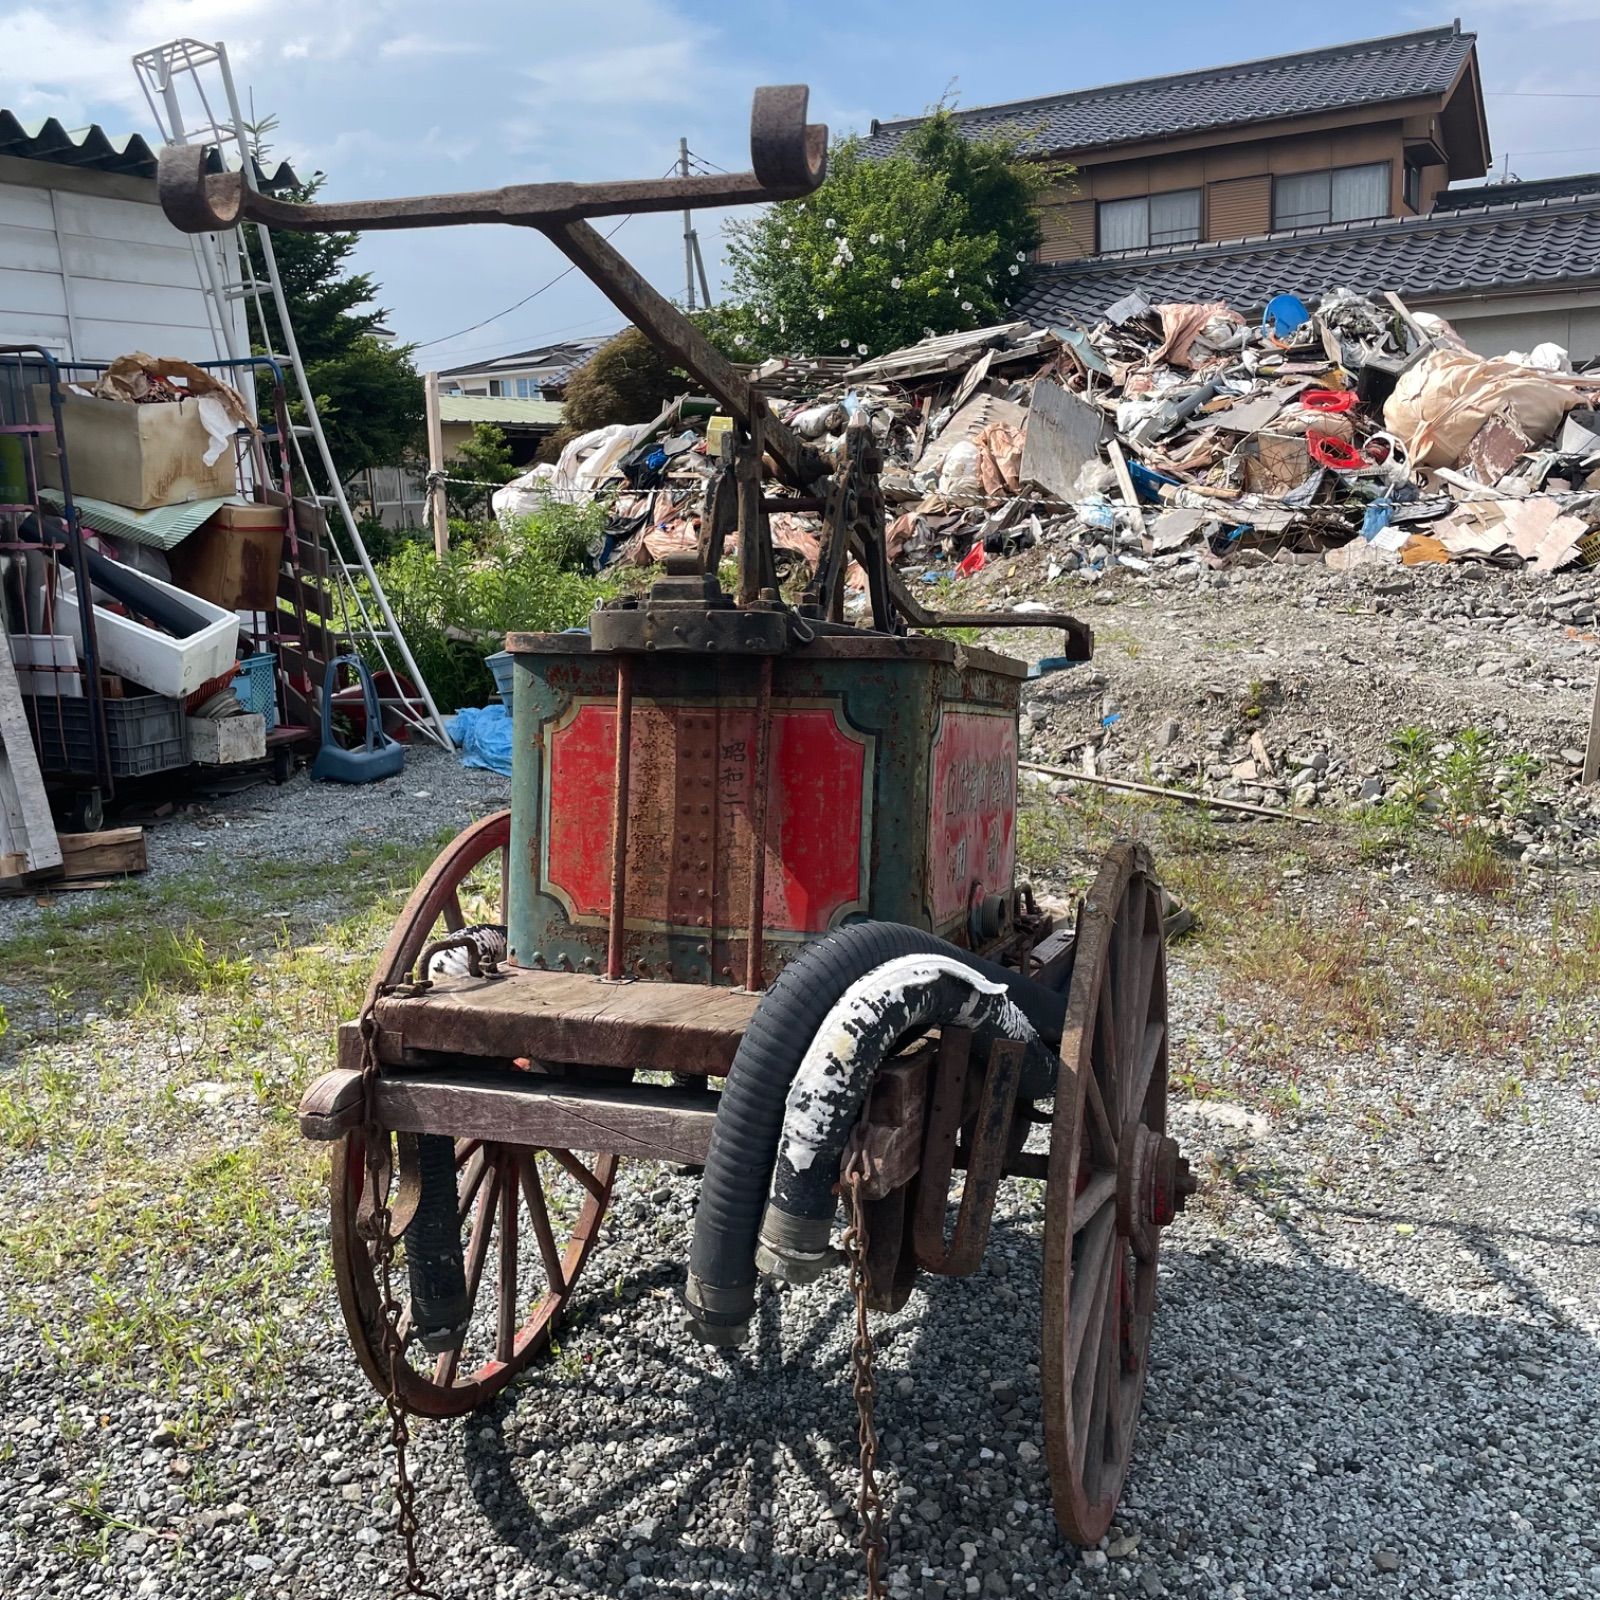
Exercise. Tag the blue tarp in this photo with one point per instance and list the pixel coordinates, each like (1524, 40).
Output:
(484, 737)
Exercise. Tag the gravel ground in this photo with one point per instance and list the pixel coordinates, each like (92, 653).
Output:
(433, 793)
(1374, 1370)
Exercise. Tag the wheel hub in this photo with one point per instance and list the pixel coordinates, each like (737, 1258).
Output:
(1153, 1185)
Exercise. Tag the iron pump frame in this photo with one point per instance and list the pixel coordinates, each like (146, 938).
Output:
(789, 159)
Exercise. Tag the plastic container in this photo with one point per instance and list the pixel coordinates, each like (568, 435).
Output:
(257, 687)
(156, 661)
(500, 665)
(146, 734)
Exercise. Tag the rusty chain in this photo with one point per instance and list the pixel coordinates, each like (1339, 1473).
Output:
(379, 1177)
(869, 1503)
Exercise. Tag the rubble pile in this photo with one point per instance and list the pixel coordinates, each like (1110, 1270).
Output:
(1164, 437)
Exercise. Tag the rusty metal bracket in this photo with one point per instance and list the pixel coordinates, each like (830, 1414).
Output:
(986, 1156)
(886, 1149)
(888, 1139)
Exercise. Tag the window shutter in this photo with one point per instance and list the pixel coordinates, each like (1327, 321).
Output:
(1068, 229)
(1238, 207)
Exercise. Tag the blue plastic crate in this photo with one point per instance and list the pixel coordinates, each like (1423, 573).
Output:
(500, 665)
(257, 687)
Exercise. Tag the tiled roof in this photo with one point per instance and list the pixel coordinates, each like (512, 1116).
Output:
(1500, 194)
(98, 151)
(499, 409)
(1403, 66)
(1527, 247)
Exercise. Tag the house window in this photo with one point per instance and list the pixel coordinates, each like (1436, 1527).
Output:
(1347, 194)
(1155, 219)
(1412, 186)
(528, 389)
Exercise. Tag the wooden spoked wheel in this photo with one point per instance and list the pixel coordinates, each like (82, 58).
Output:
(1115, 1180)
(529, 1218)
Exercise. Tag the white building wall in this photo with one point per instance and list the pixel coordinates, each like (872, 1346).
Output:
(91, 269)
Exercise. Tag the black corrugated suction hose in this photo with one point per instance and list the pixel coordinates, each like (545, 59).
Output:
(720, 1292)
(435, 1264)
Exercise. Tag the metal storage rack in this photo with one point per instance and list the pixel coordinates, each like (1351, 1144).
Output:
(308, 626)
(60, 682)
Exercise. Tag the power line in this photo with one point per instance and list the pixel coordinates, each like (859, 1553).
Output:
(1568, 150)
(445, 338)
(695, 156)
(567, 333)
(1537, 94)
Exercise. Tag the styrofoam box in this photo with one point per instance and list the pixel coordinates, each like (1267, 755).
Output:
(156, 661)
(226, 740)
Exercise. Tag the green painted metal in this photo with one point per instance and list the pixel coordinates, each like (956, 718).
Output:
(888, 698)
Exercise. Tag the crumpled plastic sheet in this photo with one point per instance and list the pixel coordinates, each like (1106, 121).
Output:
(483, 734)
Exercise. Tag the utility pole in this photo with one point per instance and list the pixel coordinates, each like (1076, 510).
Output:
(438, 519)
(689, 251)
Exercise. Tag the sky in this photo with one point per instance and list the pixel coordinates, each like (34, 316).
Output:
(397, 97)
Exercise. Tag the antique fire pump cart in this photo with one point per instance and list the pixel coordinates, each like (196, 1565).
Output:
(747, 842)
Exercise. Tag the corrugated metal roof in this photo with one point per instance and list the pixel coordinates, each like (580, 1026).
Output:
(1401, 66)
(557, 360)
(1525, 248)
(499, 409)
(95, 150)
(1568, 187)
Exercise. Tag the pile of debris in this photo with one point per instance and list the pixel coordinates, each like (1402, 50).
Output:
(1166, 435)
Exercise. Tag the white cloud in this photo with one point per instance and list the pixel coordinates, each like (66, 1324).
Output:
(421, 45)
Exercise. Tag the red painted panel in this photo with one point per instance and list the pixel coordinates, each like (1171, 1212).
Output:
(689, 835)
(972, 826)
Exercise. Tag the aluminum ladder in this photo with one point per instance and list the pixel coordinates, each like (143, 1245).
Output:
(174, 79)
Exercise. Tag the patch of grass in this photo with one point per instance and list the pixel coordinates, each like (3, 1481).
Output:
(195, 933)
(1465, 787)
(187, 1273)
(1322, 969)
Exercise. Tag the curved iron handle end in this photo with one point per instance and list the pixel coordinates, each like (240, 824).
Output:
(194, 200)
(786, 152)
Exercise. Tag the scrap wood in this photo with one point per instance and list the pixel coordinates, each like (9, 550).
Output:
(101, 855)
(28, 842)
(1187, 796)
(88, 861)
(1119, 465)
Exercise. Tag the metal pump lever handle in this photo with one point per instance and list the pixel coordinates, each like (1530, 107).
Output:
(789, 157)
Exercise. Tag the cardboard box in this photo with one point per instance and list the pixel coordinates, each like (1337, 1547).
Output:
(232, 560)
(139, 456)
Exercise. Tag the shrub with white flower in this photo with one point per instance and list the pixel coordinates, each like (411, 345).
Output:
(953, 230)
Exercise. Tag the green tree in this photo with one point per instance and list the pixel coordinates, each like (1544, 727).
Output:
(999, 188)
(626, 380)
(485, 457)
(932, 239)
(368, 393)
